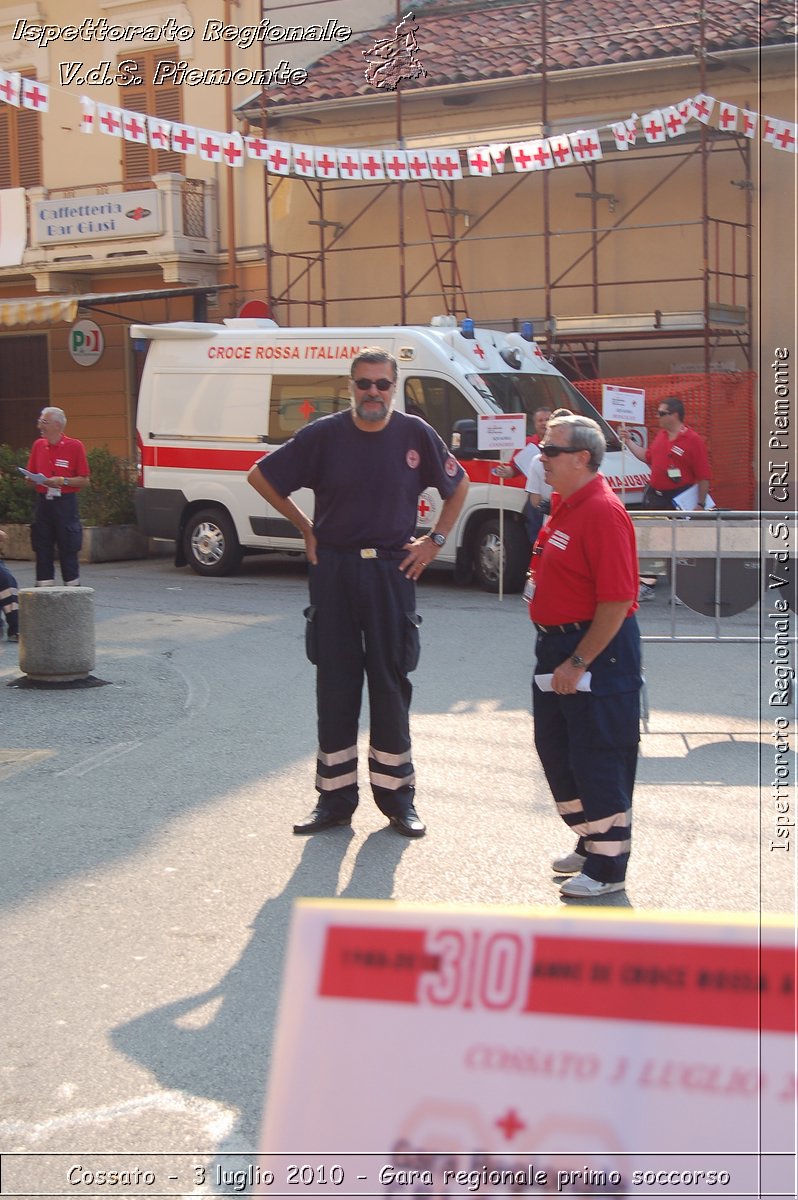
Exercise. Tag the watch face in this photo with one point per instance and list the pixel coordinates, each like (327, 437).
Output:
(438, 538)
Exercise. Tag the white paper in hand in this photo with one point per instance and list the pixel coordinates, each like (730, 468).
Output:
(544, 682)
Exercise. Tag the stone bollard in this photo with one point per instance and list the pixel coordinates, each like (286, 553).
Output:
(56, 633)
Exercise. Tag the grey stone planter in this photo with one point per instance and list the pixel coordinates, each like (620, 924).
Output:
(101, 543)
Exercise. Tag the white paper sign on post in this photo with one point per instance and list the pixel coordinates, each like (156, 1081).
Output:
(501, 431)
(623, 404)
(504, 1052)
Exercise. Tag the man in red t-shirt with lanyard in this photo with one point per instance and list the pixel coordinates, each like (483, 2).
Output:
(62, 463)
(678, 458)
(585, 575)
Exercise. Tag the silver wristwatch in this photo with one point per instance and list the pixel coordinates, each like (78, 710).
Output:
(438, 538)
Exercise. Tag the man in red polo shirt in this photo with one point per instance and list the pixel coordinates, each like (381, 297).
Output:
(585, 575)
(678, 458)
(61, 462)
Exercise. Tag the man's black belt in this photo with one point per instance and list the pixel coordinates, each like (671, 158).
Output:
(571, 627)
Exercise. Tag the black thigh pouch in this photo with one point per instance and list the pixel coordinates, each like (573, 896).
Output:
(412, 646)
(311, 634)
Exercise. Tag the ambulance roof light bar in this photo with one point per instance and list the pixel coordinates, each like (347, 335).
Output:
(528, 331)
(467, 328)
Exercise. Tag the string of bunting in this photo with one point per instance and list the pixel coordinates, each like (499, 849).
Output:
(329, 162)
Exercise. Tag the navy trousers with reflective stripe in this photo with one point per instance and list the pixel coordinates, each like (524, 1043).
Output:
(362, 622)
(588, 743)
(9, 600)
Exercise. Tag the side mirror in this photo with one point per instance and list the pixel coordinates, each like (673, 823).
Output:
(464, 441)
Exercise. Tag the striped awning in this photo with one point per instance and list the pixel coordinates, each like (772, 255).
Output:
(38, 310)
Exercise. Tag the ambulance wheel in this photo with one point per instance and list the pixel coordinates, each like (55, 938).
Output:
(210, 543)
(487, 556)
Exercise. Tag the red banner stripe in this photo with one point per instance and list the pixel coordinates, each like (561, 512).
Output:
(374, 964)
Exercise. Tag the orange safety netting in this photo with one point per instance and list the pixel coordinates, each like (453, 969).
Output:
(718, 406)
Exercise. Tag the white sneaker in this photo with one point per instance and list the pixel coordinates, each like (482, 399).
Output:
(569, 864)
(584, 886)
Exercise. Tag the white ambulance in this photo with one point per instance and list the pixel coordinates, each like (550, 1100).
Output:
(214, 398)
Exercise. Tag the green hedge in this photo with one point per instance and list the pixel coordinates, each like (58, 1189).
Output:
(108, 500)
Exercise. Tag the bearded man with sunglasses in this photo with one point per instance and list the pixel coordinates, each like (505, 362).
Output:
(585, 576)
(367, 467)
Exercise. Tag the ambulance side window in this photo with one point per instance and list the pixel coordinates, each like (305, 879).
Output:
(298, 399)
(439, 402)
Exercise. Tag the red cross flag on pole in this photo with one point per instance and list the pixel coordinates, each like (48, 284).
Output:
(109, 120)
(654, 126)
(88, 111)
(209, 145)
(561, 150)
(160, 133)
(10, 84)
(326, 163)
(701, 107)
(184, 139)
(349, 164)
(479, 160)
(33, 94)
(134, 126)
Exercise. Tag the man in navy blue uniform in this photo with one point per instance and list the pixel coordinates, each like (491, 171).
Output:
(367, 467)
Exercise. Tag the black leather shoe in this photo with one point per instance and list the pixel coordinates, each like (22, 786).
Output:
(409, 823)
(322, 818)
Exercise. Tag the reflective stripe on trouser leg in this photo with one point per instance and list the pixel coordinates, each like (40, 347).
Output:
(591, 780)
(391, 646)
(339, 681)
(9, 599)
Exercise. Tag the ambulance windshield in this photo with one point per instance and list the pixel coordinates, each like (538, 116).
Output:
(520, 392)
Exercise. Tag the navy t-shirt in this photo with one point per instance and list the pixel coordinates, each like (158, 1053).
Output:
(366, 484)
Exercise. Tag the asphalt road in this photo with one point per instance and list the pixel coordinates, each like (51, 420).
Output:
(148, 864)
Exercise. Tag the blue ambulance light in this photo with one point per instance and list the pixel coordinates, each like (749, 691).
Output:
(140, 344)
(467, 328)
(527, 331)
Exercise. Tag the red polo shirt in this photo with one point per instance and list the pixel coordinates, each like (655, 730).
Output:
(585, 554)
(687, 453)
(67, 457)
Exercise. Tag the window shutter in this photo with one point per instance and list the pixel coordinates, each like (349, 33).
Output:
(20, 145)
(6, 178)
(139, 161)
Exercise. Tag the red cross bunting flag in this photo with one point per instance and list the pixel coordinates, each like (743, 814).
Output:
(497, 153)
(542, 158)
(586, 145)
(233, 149)
(625, 132)
(278, 158)
(674, 121)
(256, 147)
(371, 164)
(326, 163)
(10, 84)
(561, 150)
(396, 164)
(727, 117)
(304, 162)
(349, 164)
(521, 154)
(445, 164)
(134, 126)
(749, 123)
(701, 108)
(418, 165)
(769, 128)
(784, 138)
(109, 120)
(160, 133)
(654, 126)
(209, 145)
(33, 94)
(184, 139)
(479, 160)
(88, 112)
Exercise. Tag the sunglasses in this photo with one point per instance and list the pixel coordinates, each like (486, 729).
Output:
(382, 385)
(554, 451)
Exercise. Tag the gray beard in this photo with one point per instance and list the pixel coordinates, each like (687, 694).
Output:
(374, 416)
